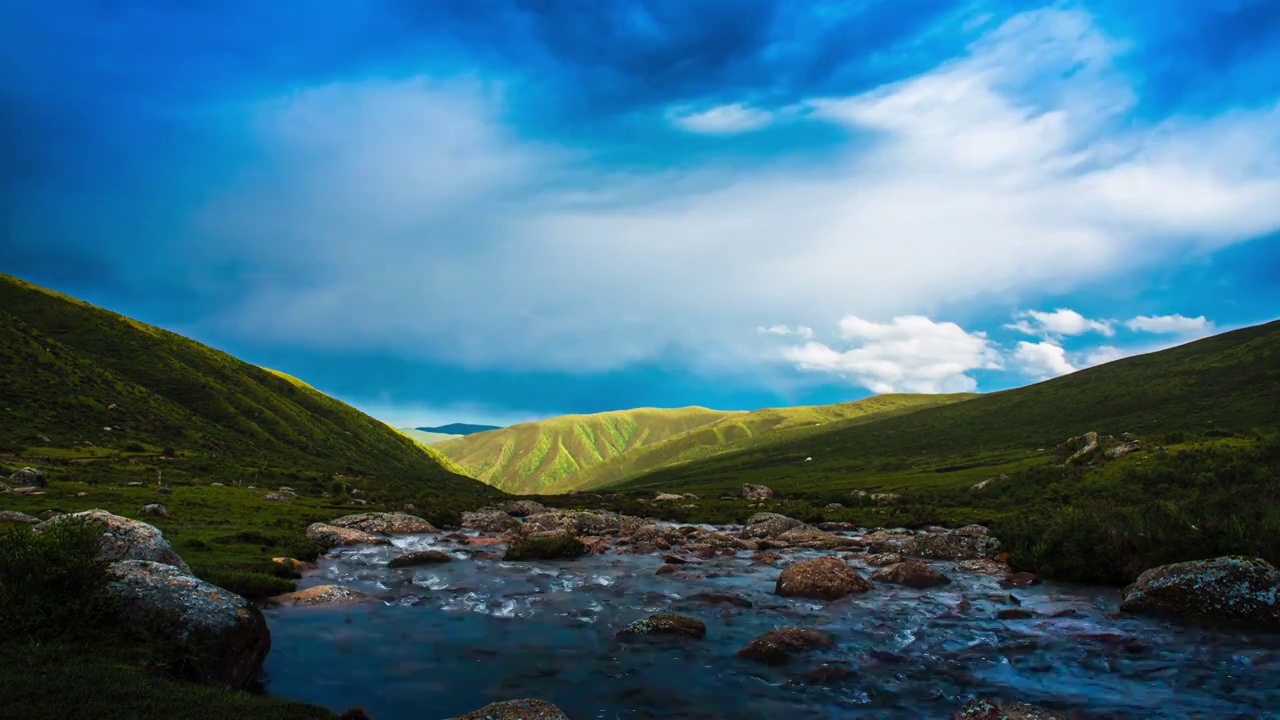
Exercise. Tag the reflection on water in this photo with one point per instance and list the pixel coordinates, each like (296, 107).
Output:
(447, 639)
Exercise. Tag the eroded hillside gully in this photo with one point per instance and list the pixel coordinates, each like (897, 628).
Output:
(452, 626)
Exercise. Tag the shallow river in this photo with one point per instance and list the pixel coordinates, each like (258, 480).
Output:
(449, 638)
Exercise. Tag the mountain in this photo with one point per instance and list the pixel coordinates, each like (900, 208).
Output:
(86, 385)
(427, 438)
(574, 452)
(459, 429)
(1228, 384)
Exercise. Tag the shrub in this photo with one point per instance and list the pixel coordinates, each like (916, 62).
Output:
(134, 448)
(249, 584)
(304, 550)
(547, 547)
(53, 583)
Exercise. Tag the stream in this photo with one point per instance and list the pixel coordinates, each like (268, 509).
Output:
(445, 639)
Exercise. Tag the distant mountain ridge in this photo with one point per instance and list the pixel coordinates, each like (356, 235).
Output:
(574, 452)
(459, 429)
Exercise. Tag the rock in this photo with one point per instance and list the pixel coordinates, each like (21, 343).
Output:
(1123, 449)
(667, 570)
(1228, 588)
(216, 484)
(319, 595)
(777, 646)
(1016, 614)
(134, 484)
(834, 506)
(273, 497)
(420, 557)
(718, 598)
(488, 520)
(982, 485)
(385, 523)
(294, 563)
(828, 673)
(516, 710)
(589, 522)
(24, 491)
(838, 526)
(223, 638)
(767, 525)
(882, 559)
(911, 573)
(887, 541)
(668, 497)
(988, 710)
(522, 508)
(652, 533)
(1019, 580)
(333, 536)
(28, 477)
(885, 498)
(858, 494)
(757, 492)
(823, 578)
(951, 546)
(976, 530)
(154, 509)
(1079, 449)
(164, 491)
(13, 516)
(666, 624)
(984, 566)
(125, 539)
(48, 514)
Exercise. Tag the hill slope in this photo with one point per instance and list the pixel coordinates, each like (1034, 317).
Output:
(427, 438)
(1226, 383)
(83, 384)
(583, 451)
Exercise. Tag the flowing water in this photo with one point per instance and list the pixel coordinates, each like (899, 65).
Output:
(449, 638)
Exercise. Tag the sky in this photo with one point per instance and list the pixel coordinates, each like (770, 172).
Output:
(496, 211)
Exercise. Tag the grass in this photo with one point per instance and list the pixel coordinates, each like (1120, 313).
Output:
(553, 547)
(575, 452)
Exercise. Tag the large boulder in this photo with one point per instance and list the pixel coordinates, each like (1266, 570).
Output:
(491, 520)
(887, 541)
(767, 525)
(125, 539)
(333, 536)
(951, 546)
(28, 477)
(757, 492)
(13, 516)
(222, 637)
(385, 523)
(778, 645)
(912, 573)
(516, 710)
(320, 595)
(522, 508)
(988, 710)
(666, 624)
(154, 509)
(1230, 588)
(823, 578)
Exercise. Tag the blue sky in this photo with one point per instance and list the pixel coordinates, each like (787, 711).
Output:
(494, 211)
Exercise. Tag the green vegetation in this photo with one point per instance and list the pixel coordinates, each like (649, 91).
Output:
(51, 582)
(547, 547)
(574, 452)
(427, 438)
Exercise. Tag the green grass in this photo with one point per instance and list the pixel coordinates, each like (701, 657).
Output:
(1227, 384)
(427, 438)
(82, 384)
(574, 452)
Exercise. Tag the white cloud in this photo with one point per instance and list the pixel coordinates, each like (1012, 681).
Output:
(910, 354)
(1165, 324)
(800, 331)
(404, 216)
(1105, 354)
(1041, 360)
(721, 120)
(1062, 321)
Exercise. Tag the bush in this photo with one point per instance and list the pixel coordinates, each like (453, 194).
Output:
(248, 584)
(548, 547)
(134, 448)
(53, 583)
(304, 550)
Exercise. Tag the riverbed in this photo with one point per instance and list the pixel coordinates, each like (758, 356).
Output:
(444, 639)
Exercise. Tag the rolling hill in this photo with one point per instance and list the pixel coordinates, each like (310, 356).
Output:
(85, 385)
(574, 452)
(427, 438)
(1222, 385)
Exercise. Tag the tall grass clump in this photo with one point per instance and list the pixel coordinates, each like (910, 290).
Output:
(53, 582)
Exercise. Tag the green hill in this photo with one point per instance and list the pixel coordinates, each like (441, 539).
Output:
(1221, 385)
(585, 451)
(427, 438)
(85, 386)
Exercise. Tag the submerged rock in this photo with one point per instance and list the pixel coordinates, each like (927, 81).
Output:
(666, 624)
(223, 638)
(911, 573)
(125, 539)
(757, 492)
(385, 523)
(516, 710)
(319, 595)
(988, 710)
(778, 645)
(824, 578)
(28, 477)
(333, 536)
(420, 557)
(1229, 588)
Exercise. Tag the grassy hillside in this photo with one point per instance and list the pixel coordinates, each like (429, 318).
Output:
(87, 387)
(1227, 384)
(427, 438)
(575, 452)
(541, 457)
